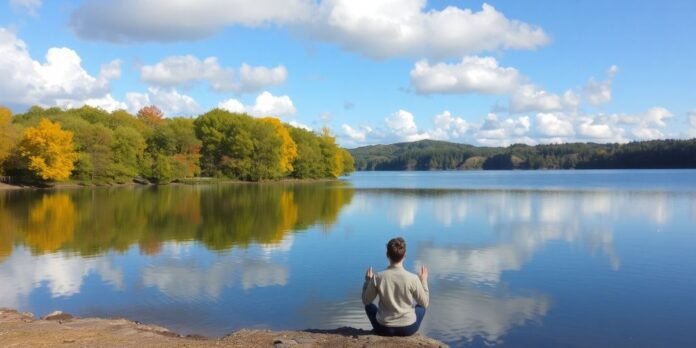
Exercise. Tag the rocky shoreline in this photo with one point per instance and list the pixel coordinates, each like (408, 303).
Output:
(23, 330)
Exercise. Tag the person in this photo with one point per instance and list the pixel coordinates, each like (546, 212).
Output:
(403, 296)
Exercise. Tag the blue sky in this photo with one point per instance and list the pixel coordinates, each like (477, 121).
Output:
(491, 73)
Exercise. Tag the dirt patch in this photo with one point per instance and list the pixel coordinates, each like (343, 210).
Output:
(23, 330)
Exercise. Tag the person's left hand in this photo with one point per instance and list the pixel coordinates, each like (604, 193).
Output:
(369, 274)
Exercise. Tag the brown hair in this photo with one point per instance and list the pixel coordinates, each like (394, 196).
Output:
(396, 249)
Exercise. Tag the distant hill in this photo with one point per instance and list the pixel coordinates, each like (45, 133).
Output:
(442, 155)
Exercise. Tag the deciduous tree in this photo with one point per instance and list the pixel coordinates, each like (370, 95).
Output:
(48, 151)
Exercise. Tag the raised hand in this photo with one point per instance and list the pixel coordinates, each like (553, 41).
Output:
(369, 274)
(423, 275)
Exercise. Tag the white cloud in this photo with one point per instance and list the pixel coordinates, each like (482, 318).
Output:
(27, 81)
(657, 117)
(171, 102)
(107, 103)
(162, 20)
(600, 128)
(532, 98)
(269, 105)
(389, 28)
(495, 132)
(300, 125)
(266, 105)
(355, 134)
(471, 75)
(187, 70)
(650, 123)
(402, 124)
(375, 28)
(692, 118)
(552, 125)
(232, 105)
(448, 126)
(599, 93)
(29, 6)
(259, 77)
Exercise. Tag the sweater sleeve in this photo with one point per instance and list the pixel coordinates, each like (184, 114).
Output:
(421, 293)
(369, 291)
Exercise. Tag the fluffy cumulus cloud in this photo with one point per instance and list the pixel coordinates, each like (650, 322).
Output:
(494, 130)
(599, 92)
(388, 28)
(107, 103)
(29, 6)
(357, 135)
(554, 125)
(471, 75)
(497, 132)
(402, 124)
(448, 126)
(648, 125)
(61, 77)
(163, 20)
(533, 98)
(376, 28)
(187, 70)
(170, 101)
(266, 104)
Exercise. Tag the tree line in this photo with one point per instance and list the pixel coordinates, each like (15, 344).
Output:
(441, 155)
(92, 146)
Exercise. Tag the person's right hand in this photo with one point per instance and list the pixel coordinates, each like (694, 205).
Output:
(423, 274)
(369, 274)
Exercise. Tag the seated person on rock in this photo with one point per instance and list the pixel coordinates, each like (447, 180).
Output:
(403, 296)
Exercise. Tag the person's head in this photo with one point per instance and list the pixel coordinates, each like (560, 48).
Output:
(396, 249)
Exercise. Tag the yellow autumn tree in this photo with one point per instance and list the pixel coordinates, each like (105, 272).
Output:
(7, 134)
(288, 152)
(49, 151)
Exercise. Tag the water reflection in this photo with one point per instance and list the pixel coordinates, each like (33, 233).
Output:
(470, 298)
(193, 258)
(91, 222)
(187, 278)
(61, 274)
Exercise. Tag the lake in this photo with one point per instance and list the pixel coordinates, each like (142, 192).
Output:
(534, 258)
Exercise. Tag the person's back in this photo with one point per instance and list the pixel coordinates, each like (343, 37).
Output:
(403, 296)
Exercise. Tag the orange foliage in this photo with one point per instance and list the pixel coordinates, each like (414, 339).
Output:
(151, 116)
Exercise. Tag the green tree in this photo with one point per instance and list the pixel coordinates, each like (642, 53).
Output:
(308, 163)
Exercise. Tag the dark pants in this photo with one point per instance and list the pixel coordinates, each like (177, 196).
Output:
(382, 330)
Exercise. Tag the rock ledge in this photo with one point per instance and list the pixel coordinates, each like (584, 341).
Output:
(58, 328)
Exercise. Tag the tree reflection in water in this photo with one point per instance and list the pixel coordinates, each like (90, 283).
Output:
(94, 221)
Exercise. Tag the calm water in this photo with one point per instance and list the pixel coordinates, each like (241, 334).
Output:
(574, 258)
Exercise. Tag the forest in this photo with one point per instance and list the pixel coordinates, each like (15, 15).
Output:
(91, 146)
(441, 155)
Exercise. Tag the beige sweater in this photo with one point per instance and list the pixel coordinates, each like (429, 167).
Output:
(399, 290)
